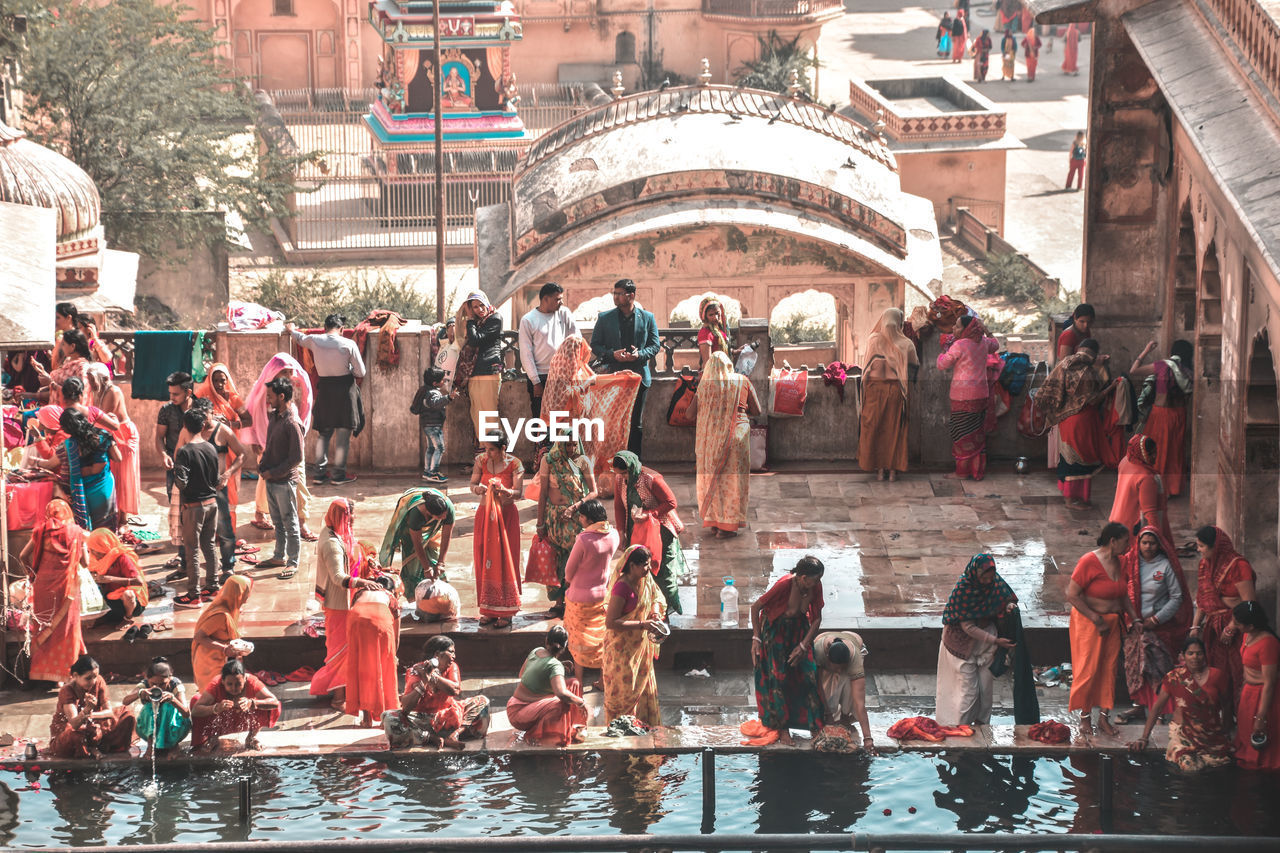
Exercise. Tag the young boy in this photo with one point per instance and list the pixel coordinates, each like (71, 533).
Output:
(429, 404)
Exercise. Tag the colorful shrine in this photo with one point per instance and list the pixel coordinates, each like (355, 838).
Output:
(474, 96)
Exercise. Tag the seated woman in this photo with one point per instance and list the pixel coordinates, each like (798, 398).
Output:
(786, 620)
(843, 678)
(1099, 607)
(1201, 698)
(218, 625)
(373, 635)
(633, 619)
(234, 702)
(115, 568)
(587, 575)
(546, 703)
(969, 642)
(84, 724)
(1153, 578)
(432, 711)
(164, 718)
(1258, 714)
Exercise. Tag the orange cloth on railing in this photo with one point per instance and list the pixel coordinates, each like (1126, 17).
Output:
(925, 728)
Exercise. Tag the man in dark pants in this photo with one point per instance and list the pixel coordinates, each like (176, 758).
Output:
(338, 411)
(168, 431)
(626, 338)
(542, 331)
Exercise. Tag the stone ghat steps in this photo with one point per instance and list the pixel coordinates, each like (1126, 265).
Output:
(672, 740)
(898, 644)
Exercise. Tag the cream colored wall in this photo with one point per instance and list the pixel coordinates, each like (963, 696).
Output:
(940, 176)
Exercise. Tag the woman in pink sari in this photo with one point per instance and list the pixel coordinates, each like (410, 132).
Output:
(723, 405)
(498, 479)
(54, 557)
(972, 409)
(256, 433)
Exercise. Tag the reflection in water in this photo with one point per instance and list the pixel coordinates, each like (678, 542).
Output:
(1003, 800)
(811, 793)
(8, 814)
(636, 787)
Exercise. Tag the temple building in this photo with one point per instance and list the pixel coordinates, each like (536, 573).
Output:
(750, 194)
(1182, 231)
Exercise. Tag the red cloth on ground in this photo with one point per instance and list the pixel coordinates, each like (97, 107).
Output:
(1050, 731)
(926, 728)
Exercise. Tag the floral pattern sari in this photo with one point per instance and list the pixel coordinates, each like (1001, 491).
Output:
(630, 685)
(1200, 741)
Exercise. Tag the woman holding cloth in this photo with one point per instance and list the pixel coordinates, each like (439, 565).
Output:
(1100, 606)
(723, 405)
(641, 493)
(633, 619)
(1224, 580)
(54, 557)
(972, 413)
(969, 642)
(889, 363)
(1069, 398)
(115, 567)
(1158, 593)
(546, 703)
(786, 620)
(421, 528)
(498, 479)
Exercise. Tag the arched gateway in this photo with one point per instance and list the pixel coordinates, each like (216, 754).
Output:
(746, 193)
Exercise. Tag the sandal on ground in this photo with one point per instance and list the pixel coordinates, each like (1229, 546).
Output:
(500, 623)
(287, 574)
(309, 536)
(243, 548)
(486, 620)
(262, 525)
(247, 559)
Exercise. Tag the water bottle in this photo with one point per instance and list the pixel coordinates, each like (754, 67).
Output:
(728, 604)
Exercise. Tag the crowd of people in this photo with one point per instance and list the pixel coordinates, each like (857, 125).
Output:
(958, 34)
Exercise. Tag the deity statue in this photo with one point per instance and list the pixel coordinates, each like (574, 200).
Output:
(455, 89)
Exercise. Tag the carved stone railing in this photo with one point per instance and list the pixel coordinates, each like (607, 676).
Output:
(1256, 35)
(904, 126)
(773, 9)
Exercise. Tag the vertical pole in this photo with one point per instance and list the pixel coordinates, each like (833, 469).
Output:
(1106, 784)
(708, 791)
(439, 143)
(246, 791)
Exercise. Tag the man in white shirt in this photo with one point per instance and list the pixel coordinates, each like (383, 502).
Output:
(542, 331)
(338, 410)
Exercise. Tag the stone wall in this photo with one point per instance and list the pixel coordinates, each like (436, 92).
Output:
(828, 431)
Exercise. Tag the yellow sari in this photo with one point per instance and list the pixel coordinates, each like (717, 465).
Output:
(723, 446)
(630, 685)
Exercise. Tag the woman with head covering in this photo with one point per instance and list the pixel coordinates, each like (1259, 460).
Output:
(420, 528)
(1158, 591)
(786, 620)
(713, 337)
(339, 559)
(639, 494)
(83, 466)
(1100, 611)
(633, 619)
(256, 433)
(484, 339)
(54, 557)
(373, 635)
(1140, 497)
(1165, 398)
(218, 625)
(888, 365)
(1197, 694)
(970, 637)
(566, 481)
(115, 567)
(982, 56)
(220, 389)
(1223, 580)
(972, 410)
(724, 404)
(1069, 399)
(498, 480)
(1258, 717)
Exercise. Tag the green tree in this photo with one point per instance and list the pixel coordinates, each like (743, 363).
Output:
(135, 94)
(772, 70)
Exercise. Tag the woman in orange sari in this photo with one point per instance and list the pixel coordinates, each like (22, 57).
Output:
(498, 479)
(887, 367)
(1140, 496)
(723, 405)
(54, 556)
(373, 635)
(632, 621)
(1071, 50)
(115, 567)
(218, 625)
(1224, 579)
(220, 389)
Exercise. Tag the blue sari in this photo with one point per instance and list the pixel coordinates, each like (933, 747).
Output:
(93, 497)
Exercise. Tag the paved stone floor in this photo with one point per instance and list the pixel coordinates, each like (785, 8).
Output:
(893, 551)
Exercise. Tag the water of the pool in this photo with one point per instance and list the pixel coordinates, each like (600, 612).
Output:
(608, 793)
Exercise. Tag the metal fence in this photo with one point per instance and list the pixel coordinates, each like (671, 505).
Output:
(352, 199)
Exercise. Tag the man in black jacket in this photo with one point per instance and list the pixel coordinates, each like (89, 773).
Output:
(484, 335)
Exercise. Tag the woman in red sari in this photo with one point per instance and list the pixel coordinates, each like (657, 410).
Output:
(1140, 497)
(1158, 592)
(373, 635)
(1071, 50)
(84, 724)
(1258, 716)
(1224, 579)
(1166, 392)
(498, 479)
(1201, 701)
(1069, 399)
(54, 557)
(220, 389)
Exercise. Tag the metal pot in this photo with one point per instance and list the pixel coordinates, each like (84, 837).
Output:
(1022, 466)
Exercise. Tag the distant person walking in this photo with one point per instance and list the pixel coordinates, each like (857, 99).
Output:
(1076, 169)
(1071, 50)
(1031, 52)
(1008, 55)
(942, 37)
(959, 37)
(982, 56)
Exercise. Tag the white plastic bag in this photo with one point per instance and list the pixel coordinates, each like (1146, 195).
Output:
(759, 447)
(746, 360)
(90, 596)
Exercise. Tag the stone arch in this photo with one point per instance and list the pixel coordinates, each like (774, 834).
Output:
(590, 307)
(809, 311)
(624, 48)
(687, 309)
(1261, 519)
(1210, 291)
(1183, 314)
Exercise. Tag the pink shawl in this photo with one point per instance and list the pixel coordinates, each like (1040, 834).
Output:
(257, 402)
